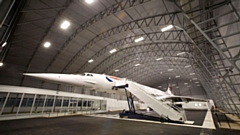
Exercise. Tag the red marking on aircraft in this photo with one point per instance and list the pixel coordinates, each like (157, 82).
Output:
(113, 77)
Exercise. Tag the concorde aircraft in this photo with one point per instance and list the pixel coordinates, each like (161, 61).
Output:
(93, 81)
(107, 83)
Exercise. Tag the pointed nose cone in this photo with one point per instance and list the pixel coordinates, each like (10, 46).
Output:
(43, 75)
(59, 78)
(49, 76)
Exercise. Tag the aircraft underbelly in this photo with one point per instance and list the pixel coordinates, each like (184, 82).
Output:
(106, 87)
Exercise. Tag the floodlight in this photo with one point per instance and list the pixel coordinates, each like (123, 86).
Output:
(159, 59)
(113, 51)
(139, 39)
(47, 44)
(181, 53)
(137, 65)
(89, 1)
(65, 24)
(192, 74)
(167, 28)
(4, 44)
(90, 61)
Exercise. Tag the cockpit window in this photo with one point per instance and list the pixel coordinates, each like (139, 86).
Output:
(87, 74)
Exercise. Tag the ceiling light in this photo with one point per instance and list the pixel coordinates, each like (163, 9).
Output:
(194, 79)
(177, 76)
(185, 83)
(198, 85)
(196, 82)
(187, 66)
(139, 39)
(192, 74)
(116, 70)
(173, 84)
(181, 53)
(89, 1)
(90, 61)
(137, 65)
(159, 86)
(188, 86)
(170, 69)
(113, 51)
(167, 28)
(4, 44)
(177, 87)
(159, 59)
(65, 24)
(1, 64)
(47, 44)
(169, 78)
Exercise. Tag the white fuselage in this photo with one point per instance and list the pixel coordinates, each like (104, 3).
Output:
(92, 81)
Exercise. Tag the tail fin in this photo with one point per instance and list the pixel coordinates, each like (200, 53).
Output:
(169, 91)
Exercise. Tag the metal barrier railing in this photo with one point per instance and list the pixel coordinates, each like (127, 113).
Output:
(221, 117)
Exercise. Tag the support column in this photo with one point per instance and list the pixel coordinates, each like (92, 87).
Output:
(4, 103)
(82, 105)
(77, 104)
(33, 103)
(69, 99)
(62, 104)
(87, 105)
(19, 106)
(53, 103)
(44, 103)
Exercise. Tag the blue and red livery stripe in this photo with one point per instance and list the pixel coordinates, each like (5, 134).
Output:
(109, 78)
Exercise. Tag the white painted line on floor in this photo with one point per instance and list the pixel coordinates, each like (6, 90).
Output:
(148, 121)
(208, 121)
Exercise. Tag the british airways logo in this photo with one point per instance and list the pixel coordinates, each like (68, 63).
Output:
(111, 78)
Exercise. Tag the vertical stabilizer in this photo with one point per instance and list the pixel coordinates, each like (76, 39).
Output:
(169, 91)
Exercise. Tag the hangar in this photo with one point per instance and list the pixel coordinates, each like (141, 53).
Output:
(191, 46)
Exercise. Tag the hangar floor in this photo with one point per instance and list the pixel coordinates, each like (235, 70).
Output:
(197, 116)
(100, 126)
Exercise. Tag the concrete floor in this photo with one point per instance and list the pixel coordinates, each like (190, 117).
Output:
(85, 125)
